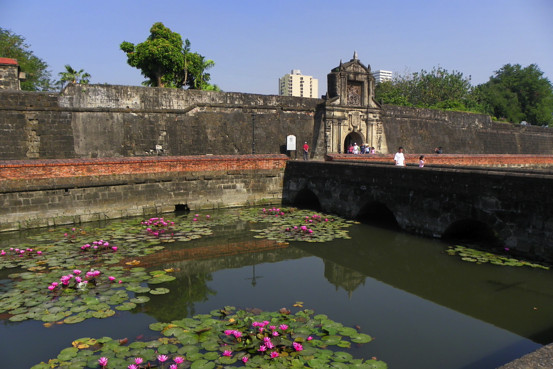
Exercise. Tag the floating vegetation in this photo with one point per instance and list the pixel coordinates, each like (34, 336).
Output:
(227, 338)
(290, 224)
(480, 257)
(83, 273)
(73, 296)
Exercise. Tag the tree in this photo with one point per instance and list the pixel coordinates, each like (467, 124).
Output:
(72, 76)
(515, 94)
(166, 61)
(436, 89)
(37, 76)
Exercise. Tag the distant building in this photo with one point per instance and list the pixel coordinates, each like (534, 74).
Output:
(382, 75)
(296, 84)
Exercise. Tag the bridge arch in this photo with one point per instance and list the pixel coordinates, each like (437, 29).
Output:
(473, 232)
(307, 199)
(378, 214)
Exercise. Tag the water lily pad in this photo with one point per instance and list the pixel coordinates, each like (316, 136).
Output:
(159, 291)
(140, 299)
(126, 306)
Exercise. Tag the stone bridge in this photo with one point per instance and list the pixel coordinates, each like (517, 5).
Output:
(507, 208)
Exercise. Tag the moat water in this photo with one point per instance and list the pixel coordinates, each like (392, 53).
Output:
(424, 308)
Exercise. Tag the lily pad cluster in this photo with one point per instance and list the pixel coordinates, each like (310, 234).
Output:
(291, 224)
(54, 290)
(227, 338)
(480, 257)
(67, 301)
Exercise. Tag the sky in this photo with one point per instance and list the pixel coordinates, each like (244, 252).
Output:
(254, 43)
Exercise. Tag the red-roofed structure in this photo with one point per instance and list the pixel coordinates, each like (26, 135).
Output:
(8, 61)
(10, 74)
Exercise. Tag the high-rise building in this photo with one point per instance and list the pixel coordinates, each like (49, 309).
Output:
(382, 75)
(296, 84)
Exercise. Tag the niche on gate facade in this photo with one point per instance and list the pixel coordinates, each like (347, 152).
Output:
(350, 107)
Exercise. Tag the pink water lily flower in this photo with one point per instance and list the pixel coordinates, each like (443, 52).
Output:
(245, 359)
(138, 360)
(103, 361)
(162, 358)
(132, 366)
(274, 354)
(227, 353)
(283, 327)
(297, 346)
(173, 366)
(179, 360)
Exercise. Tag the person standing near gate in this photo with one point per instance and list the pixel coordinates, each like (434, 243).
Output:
(305, 151)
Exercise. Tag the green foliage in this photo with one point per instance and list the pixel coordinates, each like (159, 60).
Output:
(36, 70)
(73, 76)
(481, 257)
(227, 338)
(515, 94)
(438, 89)
(166, 61)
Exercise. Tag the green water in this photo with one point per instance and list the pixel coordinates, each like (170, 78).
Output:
(425, 308)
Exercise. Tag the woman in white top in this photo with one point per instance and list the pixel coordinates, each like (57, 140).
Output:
(399, 158)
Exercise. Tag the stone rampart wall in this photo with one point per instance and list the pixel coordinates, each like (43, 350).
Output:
(52, 192)
(422, 130)
(98, 121)
(123, 121)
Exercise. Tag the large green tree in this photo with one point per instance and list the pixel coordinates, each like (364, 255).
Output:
(166, 61)
(519, 94)
(36, 70)
(438, 88)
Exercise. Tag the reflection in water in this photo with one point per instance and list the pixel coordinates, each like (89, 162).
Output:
(343, 277)
(425, 308)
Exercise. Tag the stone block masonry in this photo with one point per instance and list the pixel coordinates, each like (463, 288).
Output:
(42, 193)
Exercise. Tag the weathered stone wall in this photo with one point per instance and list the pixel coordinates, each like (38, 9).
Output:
(121, 121)
(33, 126)
(40, 193)
(97, 121)
(9, 76)
(422, 130)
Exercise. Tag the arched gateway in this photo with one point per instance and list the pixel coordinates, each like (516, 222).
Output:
(351, 112)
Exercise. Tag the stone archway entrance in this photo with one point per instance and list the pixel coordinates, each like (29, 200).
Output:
(351, 139)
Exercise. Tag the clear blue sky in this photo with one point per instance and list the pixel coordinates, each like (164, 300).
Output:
(253, 43)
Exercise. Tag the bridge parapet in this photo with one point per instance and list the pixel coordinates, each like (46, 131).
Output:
(455, 160)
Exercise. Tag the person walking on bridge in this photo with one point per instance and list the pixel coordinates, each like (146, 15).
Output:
(399, 158)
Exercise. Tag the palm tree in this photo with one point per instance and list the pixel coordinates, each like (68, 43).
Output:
(72, 76)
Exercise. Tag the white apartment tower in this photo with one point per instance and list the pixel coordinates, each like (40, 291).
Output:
(296, 84)
(382, 75)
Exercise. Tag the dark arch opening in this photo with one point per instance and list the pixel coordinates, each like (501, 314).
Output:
(378, 214)
(182, 208)
(472, 232)
(351, 139)
(306, 199)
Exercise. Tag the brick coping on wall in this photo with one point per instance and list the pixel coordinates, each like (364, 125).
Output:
(55, 168)
(465, 160)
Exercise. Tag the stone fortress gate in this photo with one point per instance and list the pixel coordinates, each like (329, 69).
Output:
(352, 114)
